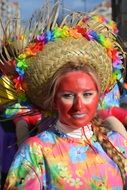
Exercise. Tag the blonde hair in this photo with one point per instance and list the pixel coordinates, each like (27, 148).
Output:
(101, 134)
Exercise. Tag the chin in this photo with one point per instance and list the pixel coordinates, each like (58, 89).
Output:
(76, 123)
(79, 125)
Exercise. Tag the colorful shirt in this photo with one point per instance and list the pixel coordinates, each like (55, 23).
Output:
(54, 161)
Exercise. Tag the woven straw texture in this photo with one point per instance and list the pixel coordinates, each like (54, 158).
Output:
(55, 54)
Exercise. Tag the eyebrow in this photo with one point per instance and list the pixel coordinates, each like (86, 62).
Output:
(91, 90)
(85, 90)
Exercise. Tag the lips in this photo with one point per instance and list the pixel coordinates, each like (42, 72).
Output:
(78, 115)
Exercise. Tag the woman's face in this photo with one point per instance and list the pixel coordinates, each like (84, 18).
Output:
(76, 99)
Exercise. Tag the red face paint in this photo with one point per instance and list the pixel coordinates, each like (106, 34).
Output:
(76, 99)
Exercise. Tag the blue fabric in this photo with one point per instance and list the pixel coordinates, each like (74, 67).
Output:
(8, 147)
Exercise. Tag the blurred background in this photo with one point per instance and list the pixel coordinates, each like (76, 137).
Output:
(115, 9)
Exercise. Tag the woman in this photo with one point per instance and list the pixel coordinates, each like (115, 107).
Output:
(68, 155)
(69, 68)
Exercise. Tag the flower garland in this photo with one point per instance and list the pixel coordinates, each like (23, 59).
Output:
(63, 32)
(101, 19)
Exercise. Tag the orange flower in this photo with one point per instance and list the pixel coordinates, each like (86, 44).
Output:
(74, 33)
(33, 49)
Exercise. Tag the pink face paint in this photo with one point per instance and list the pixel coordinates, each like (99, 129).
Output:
(76, 99)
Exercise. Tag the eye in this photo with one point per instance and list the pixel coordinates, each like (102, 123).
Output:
(87, 94)
(68, 95)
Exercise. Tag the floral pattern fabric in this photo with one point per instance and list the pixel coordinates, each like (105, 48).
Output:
(55, 161)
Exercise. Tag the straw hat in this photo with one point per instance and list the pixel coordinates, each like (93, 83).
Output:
(55, 54)
(53, 45)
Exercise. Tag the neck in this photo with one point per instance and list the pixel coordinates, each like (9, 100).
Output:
(85, 131)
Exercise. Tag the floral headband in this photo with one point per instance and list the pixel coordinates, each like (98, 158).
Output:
(63, 32)
(101, 19)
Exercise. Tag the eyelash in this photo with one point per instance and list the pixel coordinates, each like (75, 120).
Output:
(67, 96)
(86, 94)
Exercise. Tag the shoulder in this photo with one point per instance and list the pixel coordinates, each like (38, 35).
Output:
(42, 138)
(119, 142)
(34, 147)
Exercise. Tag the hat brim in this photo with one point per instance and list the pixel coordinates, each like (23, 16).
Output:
(43, 66)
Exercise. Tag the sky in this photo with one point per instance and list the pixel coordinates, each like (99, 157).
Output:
(29, 6)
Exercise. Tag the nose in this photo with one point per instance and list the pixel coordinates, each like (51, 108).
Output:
(78, 103)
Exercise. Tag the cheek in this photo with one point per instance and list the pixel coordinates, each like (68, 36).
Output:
(93, 103)
(62, 106)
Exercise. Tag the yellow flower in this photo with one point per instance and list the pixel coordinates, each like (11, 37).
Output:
(47, 149)
(79, 172)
